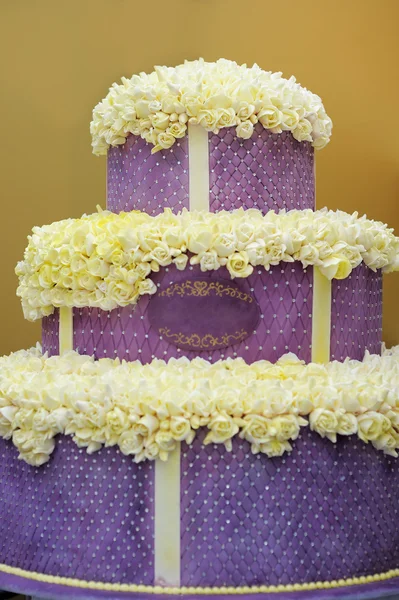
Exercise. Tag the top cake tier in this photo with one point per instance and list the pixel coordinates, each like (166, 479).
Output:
(209, 136)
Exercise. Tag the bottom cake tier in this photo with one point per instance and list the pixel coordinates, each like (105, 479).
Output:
(199, 479)
(312, 522)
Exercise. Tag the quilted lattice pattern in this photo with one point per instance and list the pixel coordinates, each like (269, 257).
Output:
(326, 511)
(356, 314)
(284, 295)
(139, 180)
(268, 171)
(50, 326)
(89, 517)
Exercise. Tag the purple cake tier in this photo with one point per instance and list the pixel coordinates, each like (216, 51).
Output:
(316, 514)
(284, 296)
(268, 171)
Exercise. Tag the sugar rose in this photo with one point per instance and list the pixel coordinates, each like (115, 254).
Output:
(274, 448)
(130, 442)
(238, 265)
(256, 429)
(180, 429)
(222, 429)
(371, 425)
(324, 422)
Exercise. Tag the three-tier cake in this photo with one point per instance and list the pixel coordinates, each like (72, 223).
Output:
(212, 412)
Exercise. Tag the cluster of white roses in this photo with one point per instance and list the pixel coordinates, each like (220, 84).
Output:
(146, 410)
(160, 105)
(104, 260)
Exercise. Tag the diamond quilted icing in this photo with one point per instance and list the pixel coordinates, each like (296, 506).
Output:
(268, 171)
(284, 295)
(80, 516)
(50, 326)
(356, 314)
(312, 515)
(139, 180)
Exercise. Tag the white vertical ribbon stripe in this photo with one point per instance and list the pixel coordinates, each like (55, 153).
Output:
(321, 317)
(65, 329)
(198, 167)
(167, 520)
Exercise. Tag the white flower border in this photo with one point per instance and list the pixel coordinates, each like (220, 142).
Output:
(159, 106)
(146, 409)
(105, 260)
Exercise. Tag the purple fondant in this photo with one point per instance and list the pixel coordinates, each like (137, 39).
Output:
(284, 296)
(50, 338)
(78, 516)
(356, 319)
(200, 314)
(268, 171)
(139, 180)
(324, 512)
(356, 314)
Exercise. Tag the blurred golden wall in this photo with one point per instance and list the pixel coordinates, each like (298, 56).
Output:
(59, 58)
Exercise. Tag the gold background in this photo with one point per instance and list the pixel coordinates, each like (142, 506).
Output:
(59, 58)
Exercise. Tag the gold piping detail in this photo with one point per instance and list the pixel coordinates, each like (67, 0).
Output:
(148, 589)
(204, 288)
(206, 342)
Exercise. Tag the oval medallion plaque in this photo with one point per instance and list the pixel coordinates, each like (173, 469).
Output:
(202, 314)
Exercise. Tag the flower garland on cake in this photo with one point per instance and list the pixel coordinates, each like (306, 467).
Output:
(146, 410)
(105, 260)
(160, 105)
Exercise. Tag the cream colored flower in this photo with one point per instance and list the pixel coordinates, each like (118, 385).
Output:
(35, 449)
(372, 425)
(274, 448)
(180, 429)
(324, 422)
(347, 424)
(238, 265)
(222, 429)
(270, 117)
(286, 427)
(178, 130)
(159, 120)
(303, 131)
(257, 429)
(130, 442)
(336, 267)
(164, 141)
(388, 442)
(226, 117)
(208, 119)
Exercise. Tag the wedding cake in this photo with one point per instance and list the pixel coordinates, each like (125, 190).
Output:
(212, 412)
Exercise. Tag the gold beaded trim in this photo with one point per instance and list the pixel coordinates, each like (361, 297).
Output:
(181, 591)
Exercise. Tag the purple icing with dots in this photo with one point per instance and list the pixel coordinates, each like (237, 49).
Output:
(324, 512)
(80, 516)
(285, 301)
(268, 171)
(356, 314)
(50, 333)
(283, 294)
(139, 180)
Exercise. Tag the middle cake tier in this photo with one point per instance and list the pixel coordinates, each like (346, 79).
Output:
(207, 314)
